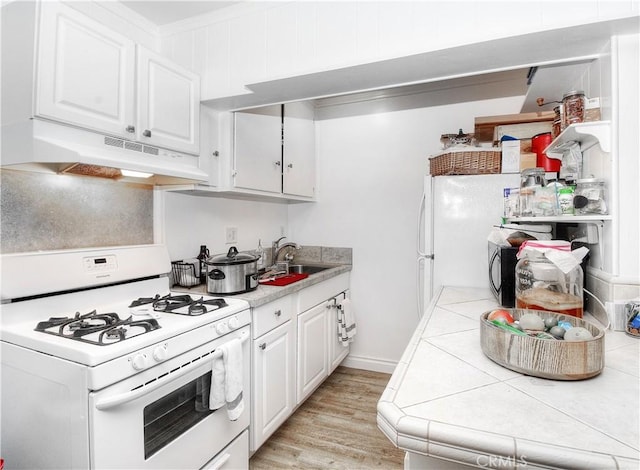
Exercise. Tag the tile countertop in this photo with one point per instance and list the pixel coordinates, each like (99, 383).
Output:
(265, 294)
(447, 400)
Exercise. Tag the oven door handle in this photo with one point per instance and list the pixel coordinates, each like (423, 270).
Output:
(116, 400)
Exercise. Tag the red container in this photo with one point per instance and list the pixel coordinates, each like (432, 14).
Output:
(538, 144)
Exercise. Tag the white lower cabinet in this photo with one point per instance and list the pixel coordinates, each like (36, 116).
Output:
(273, 369)
(313, 349)
(295, 348)
(319, 349)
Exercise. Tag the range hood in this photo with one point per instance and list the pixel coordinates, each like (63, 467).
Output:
(45, 146)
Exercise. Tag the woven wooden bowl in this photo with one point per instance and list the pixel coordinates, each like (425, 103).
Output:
(547, 358)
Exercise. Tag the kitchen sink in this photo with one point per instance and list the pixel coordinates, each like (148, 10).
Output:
(306, 268)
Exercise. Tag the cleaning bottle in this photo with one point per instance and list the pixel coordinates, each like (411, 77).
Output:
(202, 258)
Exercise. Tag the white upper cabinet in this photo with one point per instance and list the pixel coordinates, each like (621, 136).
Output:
(85, 72)
(95, 78)
(274, 150)
(168, 103)
(258, 149)
(299, 170)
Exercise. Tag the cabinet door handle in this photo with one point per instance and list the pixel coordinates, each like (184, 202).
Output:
(263, 346)
(290, 165)
(146, 133)
(278, 163)
(130, 129)
(277, 313)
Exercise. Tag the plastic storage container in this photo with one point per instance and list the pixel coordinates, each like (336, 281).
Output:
(565, 200)
(549, 277)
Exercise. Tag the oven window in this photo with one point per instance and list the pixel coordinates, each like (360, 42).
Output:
(175, 413)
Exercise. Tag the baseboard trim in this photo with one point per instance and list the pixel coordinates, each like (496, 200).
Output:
(367, 363)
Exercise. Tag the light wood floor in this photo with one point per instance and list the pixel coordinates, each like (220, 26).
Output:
(334, 429)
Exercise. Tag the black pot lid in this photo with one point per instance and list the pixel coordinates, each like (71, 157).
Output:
(233, 256)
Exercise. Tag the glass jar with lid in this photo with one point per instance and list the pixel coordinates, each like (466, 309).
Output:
(557, 126)
(531, 181)
(573, 104)
(589, 197)
(549, 277)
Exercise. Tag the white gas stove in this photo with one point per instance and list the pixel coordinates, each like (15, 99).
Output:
(104, 324)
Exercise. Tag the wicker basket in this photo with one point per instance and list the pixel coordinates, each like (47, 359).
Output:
(466, 162)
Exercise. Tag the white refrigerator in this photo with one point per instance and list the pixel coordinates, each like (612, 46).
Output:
(455, 217)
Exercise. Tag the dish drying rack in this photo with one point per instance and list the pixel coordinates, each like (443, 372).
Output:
(273, 273)
(184, 274)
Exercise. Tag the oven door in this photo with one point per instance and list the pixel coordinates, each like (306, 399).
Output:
(156, 419)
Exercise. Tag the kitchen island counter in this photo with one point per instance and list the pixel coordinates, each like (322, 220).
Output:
(447, 400)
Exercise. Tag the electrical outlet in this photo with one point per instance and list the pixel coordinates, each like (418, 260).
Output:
(231, 235)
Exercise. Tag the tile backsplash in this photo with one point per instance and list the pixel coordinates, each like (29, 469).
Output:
(41, 211)
(323, 254)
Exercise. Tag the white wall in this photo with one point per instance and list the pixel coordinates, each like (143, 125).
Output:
(191, 221)
(371, 169)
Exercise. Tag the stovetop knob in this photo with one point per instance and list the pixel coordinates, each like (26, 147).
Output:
(222, 328)
(160, 353)
(139, 361)
(234, 323)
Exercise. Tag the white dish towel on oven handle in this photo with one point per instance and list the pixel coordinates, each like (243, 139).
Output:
(346, 322)
(226, 379)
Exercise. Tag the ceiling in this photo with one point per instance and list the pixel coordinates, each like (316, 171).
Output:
(162, 12)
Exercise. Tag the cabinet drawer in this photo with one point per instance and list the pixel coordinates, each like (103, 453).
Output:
(313, 295)
(268, 316)
(235, 455)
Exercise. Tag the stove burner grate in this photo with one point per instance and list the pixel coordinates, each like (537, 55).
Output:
(169, 303)
(200, 306)
(110, 326)
(180, 304)
(120, 331)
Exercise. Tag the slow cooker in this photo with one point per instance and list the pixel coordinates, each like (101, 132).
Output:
(232, 273)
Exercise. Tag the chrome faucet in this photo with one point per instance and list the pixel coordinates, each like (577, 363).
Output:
(277, 249)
